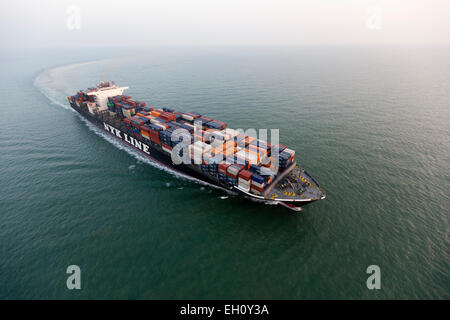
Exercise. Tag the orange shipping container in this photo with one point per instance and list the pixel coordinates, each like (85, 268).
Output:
(145, 134)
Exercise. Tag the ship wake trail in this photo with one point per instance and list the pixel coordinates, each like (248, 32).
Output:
(53, 86)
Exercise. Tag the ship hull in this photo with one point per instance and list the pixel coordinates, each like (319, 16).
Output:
(161, 157)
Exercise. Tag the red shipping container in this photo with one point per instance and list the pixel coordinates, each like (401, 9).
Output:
(245, 175)
(232, 175)
(154, 136)
(257, 188)
(167, 116)
(192, 115)
(223, 167)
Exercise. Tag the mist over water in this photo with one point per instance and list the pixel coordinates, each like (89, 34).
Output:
(370, 125)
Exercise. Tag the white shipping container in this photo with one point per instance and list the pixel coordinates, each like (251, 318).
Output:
(244, 182)
(233, 170)
(187, 117)
(245, 187)
(155, 121)
(189, 125)
(290, 151)
(126, 113)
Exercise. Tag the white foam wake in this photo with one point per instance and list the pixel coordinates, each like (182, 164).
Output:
(52, 84)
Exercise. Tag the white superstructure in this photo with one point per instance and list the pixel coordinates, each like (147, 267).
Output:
(103, 91)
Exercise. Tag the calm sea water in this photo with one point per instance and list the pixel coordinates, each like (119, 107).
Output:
(371, 125)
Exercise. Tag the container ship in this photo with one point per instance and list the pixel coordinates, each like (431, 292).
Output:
(195, 145)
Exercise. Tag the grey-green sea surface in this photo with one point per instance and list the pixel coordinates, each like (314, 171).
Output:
(372, 125)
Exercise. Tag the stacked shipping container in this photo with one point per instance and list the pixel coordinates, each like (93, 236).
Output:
(231, 157)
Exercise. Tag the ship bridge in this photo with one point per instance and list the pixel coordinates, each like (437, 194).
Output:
(103, 91)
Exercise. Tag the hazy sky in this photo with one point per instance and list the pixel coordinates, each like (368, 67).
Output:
(223, 22)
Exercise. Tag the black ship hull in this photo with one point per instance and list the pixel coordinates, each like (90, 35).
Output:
(155, 153)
